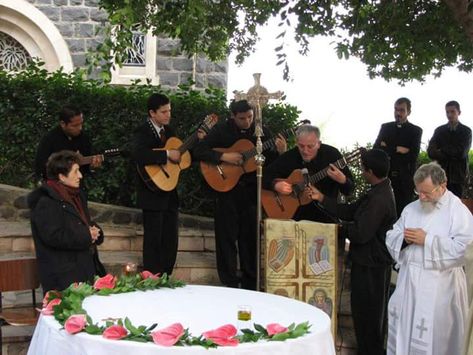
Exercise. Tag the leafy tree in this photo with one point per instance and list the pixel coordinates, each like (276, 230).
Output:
(403, 39)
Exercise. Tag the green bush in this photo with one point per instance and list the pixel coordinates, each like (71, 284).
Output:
(29, 106)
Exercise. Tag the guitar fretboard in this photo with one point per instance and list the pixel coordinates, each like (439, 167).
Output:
(193, 138)
(270, 143)
(340, 163)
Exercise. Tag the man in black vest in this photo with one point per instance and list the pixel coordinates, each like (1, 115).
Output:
(450, 146)
(401, 141)
(160, 208)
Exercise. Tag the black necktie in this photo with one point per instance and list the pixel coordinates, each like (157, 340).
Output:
(162, 136)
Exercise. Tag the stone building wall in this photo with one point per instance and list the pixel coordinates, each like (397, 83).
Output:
(79, 20)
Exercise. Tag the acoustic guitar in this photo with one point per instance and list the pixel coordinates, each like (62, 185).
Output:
(224, 176)
(109, 153)
(166, 176)
(281, 206)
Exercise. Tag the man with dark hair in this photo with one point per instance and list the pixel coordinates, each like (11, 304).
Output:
(450, 146)
(401, 140)
(160, 208)
(428, 309)
(370, 218)
(67, 136)
(311, 154)
(235, 211)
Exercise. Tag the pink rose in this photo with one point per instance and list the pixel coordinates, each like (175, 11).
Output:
(168, 336)
(75, 323)
(108, 281)
(115, 332)
(275, 328)
(149, 275)
(223, 336)
(49, 295)
(48, 310)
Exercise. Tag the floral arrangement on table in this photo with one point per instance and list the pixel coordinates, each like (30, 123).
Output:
(66, 307)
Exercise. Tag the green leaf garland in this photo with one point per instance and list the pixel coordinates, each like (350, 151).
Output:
(74, 295)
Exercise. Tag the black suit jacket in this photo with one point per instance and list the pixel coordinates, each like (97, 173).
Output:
(144, 141)
(408, 135)
(450, 149)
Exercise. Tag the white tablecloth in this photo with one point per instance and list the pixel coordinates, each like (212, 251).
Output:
(199, 308)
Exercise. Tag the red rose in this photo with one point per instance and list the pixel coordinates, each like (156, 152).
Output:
(115, 332)
(149, 275)
(223, 336)
(108, 281)
(275, 328)
(75, 323)
(49, 295)
(48, 310)
(168, 336)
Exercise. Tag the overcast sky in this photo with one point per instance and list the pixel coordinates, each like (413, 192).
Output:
(338, 96)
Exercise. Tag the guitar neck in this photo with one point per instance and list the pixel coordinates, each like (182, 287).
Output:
(189, 143)
(270, 143)
(340, 163)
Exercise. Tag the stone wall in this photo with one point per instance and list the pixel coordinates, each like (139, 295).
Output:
(123, 237)
(79, 20)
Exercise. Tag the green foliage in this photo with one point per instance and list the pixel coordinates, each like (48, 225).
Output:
(29, 106)
(401, 40)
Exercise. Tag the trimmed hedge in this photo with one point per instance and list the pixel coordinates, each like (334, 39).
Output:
(29, 106)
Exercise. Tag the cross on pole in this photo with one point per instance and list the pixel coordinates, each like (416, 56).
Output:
(258, 96)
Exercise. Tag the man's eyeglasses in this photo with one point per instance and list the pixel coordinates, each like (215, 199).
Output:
(426, 193)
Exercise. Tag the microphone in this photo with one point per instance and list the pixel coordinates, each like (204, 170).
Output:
(305, 175)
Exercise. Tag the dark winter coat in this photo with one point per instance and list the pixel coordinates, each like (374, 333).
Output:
(64, 249)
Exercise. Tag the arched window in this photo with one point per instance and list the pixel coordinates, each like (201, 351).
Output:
(13, 56)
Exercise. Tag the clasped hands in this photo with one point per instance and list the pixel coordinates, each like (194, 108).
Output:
(94, 233)
(414, 236)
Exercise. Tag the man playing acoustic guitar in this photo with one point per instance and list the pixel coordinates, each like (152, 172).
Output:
(67, 136)
(160, 225)
(314, 156)
(235, 213)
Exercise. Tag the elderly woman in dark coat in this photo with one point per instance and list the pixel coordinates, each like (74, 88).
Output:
(65, 237)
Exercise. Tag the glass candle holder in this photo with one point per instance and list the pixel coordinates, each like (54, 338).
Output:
(244, 316)
(130, 269)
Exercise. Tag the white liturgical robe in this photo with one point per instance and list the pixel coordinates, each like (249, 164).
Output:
(428, 309)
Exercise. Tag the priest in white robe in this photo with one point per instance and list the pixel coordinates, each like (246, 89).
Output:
(428, 310)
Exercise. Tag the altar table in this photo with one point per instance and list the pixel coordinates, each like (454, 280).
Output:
(199, 308)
